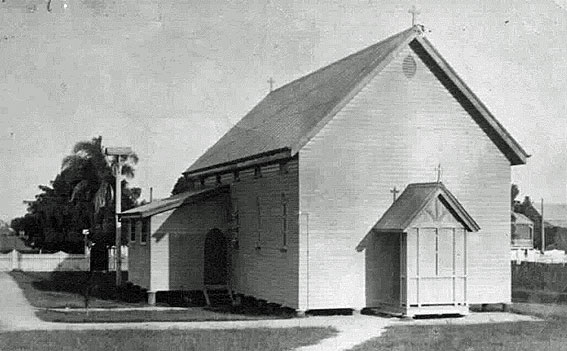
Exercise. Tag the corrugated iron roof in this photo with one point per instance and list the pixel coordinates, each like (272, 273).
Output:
(289, 116)
(289, 113)
(411, 202)
(169, 203)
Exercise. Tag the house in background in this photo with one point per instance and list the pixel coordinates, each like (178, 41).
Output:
(11, 241)
(555, 219)
(296, 204)
(522, 229)
(555, 223)
(522, 238)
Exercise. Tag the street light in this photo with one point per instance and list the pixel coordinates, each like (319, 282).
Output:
(119, 153)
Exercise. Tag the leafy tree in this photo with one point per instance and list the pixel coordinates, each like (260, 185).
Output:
(91, 175)
(80, 197)
(514, 192)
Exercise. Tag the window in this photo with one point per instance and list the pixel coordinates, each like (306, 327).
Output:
(259, 221)
(257, 172)
(284, 220)
(284, 169)
(235, 223)
(145, 230)
(132, 230)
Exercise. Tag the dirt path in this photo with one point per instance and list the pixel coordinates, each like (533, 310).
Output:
(15, 311)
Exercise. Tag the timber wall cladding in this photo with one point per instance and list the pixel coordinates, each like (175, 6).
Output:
(267, 272)
(138, 258)
(392, 133)
(177, 243)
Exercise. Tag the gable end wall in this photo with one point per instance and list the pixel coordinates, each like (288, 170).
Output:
(394, 132)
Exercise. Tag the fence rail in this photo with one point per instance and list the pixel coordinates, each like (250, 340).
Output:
(537, 276)
(59, 261)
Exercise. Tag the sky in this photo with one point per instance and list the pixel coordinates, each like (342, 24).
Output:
(170, 78)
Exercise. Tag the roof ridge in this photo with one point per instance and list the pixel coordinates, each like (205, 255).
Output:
(333, 63)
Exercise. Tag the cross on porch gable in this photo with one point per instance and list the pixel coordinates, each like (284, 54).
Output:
(439, 172)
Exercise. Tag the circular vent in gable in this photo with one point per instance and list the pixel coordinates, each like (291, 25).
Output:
(409, 66)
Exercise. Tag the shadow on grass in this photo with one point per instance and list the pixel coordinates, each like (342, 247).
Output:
(186, 340)
(74, 289)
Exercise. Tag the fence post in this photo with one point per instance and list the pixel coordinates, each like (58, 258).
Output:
(14, 259)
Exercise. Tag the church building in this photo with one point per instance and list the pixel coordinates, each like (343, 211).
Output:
(378, 181)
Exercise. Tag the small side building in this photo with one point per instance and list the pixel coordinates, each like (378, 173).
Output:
(522, 229)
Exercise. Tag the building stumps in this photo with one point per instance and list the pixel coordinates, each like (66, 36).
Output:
(151, 298)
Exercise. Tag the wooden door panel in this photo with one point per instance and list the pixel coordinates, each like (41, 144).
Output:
(427, 243)
(445, 252)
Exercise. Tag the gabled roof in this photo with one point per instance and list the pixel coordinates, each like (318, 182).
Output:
(172, 202)
(519, 218)
(287, 118)
(416, 197)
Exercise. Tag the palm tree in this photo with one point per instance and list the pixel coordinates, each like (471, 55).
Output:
(90, 173)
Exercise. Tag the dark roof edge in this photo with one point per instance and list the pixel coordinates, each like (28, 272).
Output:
(519, 156)
(461, 212)
(173, 205)
(244, 162)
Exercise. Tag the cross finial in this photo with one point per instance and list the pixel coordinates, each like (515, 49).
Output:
(394, 192)
(414, 12)
(271, 81)
(439, 171)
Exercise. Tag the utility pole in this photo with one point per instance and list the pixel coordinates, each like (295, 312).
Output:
(120, 153)
(542, 229)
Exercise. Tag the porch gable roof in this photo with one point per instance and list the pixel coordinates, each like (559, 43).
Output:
(400, 216)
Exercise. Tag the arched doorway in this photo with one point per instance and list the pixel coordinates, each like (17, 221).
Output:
(215, 270)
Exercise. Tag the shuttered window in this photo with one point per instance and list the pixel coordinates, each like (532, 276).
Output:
(132, 230)
(145, 230)
(259, 220)
(284, 220)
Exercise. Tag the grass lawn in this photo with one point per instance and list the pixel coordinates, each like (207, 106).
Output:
(187, 315)
(147, 340)
(550, 334)
(65, 289)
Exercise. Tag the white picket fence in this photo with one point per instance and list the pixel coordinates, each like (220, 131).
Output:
(59, 261)
(531, 255)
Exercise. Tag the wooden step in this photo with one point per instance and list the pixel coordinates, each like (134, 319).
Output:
(218, 295)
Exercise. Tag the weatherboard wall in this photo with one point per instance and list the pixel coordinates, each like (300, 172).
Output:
(394, 132)
(177, 243)
(138, 257)
(262, 266)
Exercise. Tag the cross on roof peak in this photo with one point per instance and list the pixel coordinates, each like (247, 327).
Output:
(414, 12)
(394, 192)
(271, 81)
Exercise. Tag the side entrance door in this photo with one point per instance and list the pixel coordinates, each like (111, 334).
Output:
(215, 267)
